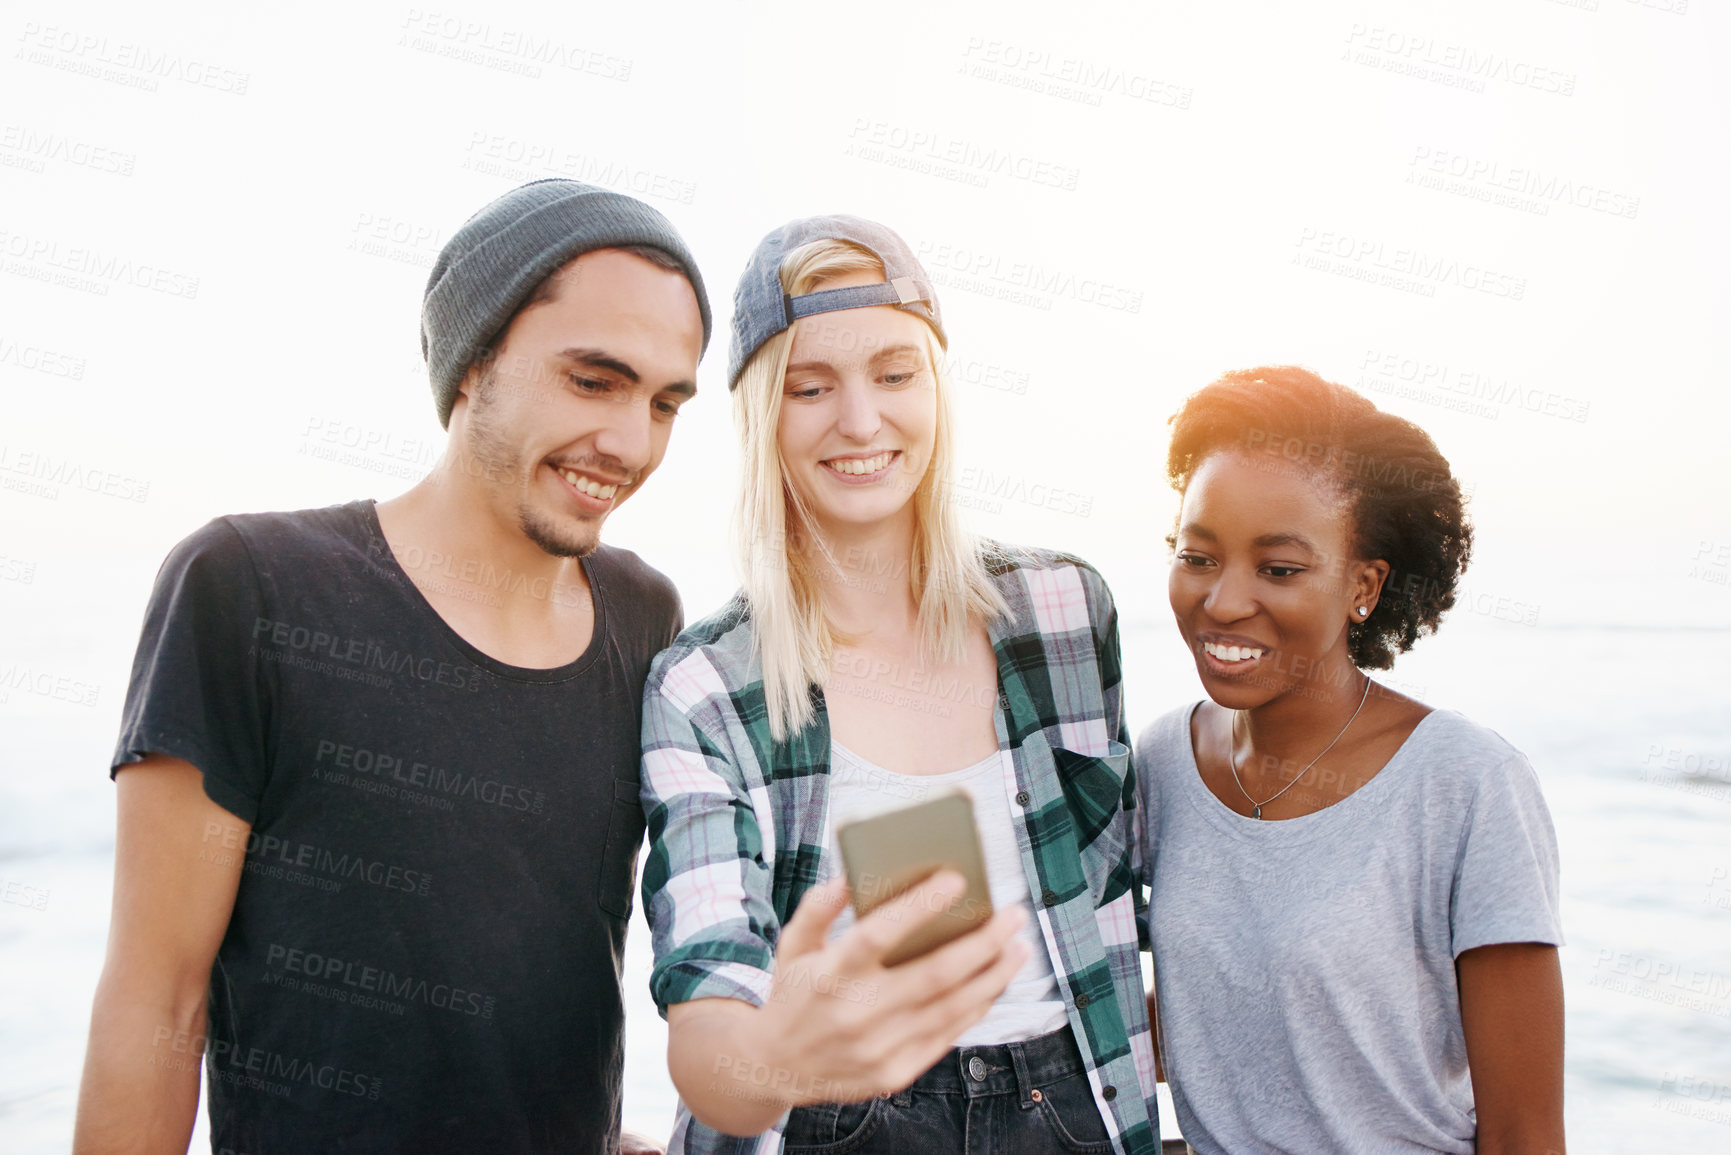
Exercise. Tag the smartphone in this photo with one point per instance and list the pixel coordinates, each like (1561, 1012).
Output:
(890, 853)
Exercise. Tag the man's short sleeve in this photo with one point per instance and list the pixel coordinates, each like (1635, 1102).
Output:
(1506, 884)
(197, 692)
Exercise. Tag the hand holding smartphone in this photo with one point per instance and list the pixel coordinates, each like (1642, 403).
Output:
(888, 854)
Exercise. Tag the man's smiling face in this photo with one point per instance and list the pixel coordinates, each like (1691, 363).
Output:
(575, 409)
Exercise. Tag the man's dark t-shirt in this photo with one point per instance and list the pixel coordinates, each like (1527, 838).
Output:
(425, 949)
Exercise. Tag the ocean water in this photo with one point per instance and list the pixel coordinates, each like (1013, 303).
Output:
(1629, 730)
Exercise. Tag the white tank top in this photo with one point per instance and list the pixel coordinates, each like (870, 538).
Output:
(1031, 1005)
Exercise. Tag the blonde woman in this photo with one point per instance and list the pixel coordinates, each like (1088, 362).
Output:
(877, 655)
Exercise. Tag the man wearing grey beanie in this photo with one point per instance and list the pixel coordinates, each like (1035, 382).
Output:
(377, 772)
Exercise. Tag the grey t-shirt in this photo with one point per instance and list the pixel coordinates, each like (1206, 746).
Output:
(1305, 967)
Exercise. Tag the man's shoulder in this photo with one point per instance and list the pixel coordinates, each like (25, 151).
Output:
(635, 576)
(261, 540)
(643, 605)
(278, 532)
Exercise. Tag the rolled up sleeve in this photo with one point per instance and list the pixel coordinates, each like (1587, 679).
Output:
(706, 885)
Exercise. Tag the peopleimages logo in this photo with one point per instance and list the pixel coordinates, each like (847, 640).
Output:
(40, 360)
(505, 49)
(346, 760)
(1662, 980)
(1020, 282)
(371, 980)
(880, 139)
(123, 62)
(42, 474)
(274, 855)
(42, 258)
(1523, 187)
(255, 1066)
(1067, 77)
(496, 154)
(1400, 266)
(20, 894)
(36, 149)
(1465, 66)
(320, 647)
(1422, 377)
(46, 684)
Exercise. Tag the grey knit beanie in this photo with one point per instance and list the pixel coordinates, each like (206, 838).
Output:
(492, 264)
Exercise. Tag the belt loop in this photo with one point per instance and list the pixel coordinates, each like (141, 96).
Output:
(1024, 1082)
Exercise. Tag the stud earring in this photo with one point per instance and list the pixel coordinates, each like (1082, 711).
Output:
(1363, 611)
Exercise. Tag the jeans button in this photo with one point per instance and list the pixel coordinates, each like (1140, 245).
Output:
(977, 1069)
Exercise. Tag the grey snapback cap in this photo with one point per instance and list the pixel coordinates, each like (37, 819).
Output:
(492, 264)
(761, 309)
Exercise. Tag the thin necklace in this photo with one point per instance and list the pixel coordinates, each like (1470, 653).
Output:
(1232, 761)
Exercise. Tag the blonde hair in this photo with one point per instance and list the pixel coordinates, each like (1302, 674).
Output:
(947, 577)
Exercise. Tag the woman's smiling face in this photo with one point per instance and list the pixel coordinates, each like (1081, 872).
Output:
(1264, 582)
(858, 412)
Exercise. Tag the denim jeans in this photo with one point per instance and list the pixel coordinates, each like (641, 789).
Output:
(1008, 1099)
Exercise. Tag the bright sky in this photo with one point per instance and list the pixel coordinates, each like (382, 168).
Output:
(1502, 219)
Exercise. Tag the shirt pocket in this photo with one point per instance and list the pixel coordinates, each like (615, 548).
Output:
(618, 879)
(1093, 786)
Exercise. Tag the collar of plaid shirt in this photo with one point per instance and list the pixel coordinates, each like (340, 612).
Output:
(1059, 715)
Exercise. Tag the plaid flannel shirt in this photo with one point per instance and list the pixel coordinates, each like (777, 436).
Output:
(736, 823)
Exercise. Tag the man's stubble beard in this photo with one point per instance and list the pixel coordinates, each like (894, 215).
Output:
(499, 459)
